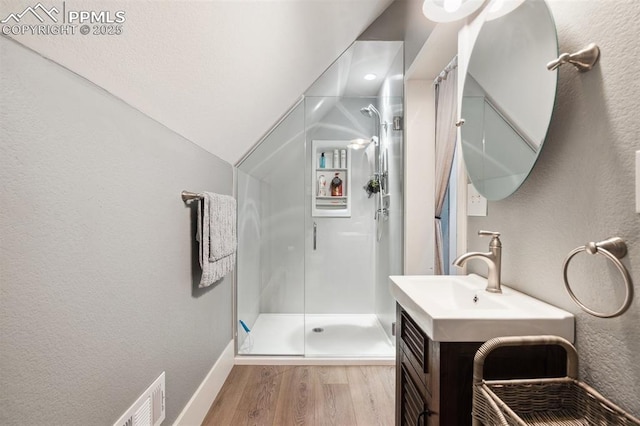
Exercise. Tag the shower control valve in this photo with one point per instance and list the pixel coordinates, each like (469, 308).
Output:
(383, 211)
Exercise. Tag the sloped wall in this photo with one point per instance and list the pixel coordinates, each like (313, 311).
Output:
(219, 73)
(97, 255)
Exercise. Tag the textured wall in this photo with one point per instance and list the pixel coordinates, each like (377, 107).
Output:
(97, 254)
(582, 190)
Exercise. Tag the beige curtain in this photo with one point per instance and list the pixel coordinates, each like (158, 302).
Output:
(446, 87)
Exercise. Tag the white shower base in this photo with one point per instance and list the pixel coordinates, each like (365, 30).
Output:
(343, 335)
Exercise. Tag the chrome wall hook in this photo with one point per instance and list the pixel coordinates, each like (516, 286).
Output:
(583, 60)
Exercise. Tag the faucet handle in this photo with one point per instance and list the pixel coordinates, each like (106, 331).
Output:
(495, 238)
(488, 234)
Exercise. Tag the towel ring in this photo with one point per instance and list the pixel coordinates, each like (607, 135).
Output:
(613, 249)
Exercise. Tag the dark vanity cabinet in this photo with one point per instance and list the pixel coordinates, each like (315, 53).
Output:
(435, 377)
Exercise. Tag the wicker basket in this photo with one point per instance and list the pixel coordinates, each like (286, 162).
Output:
(555, 401)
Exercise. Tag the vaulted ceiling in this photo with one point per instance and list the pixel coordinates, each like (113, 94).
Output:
(220, 73)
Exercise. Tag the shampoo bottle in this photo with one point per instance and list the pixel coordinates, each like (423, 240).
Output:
(322, 186)
(336, 186)
(323, 161)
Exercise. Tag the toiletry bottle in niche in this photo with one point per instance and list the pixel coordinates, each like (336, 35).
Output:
(323, 161)
(336, 159)
(343, 158)
(322, 186)
(336, 186)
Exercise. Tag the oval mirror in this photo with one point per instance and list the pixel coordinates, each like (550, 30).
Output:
(508, 95)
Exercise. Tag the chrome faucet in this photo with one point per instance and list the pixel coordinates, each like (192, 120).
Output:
(493, 259)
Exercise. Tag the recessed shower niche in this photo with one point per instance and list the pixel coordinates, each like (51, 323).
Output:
(331, 178)
(309, 256)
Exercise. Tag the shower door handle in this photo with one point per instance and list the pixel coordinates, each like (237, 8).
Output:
(315, 235)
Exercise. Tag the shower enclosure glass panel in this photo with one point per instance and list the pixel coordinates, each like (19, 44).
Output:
(313, 264)
(270, 273)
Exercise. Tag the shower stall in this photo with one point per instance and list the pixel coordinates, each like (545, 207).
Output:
(320, 216)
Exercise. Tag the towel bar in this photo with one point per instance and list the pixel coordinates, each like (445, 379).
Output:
(188, 196)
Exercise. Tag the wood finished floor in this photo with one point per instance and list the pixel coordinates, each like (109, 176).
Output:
(283, 395)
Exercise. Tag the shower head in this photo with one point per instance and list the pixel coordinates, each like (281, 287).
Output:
(366, 112)
(369, 111)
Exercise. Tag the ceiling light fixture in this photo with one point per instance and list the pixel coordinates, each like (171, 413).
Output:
(452, 5)
(450, 10)
(358, 143)
(370, 77)
(500, 8)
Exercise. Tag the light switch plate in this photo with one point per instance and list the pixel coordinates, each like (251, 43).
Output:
(476, 203)
(637, 181)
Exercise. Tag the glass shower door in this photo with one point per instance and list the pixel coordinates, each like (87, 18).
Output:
(341, 317)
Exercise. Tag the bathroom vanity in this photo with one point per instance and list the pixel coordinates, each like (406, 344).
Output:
(442, 321)
(436, 376)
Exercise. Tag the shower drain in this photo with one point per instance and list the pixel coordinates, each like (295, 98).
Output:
(317, 330)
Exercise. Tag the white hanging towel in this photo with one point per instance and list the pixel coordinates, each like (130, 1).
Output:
(216, 232)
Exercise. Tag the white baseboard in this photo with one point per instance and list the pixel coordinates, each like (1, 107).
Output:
(198, 406)
(284, 360)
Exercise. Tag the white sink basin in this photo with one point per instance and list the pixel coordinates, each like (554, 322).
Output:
(456, 308)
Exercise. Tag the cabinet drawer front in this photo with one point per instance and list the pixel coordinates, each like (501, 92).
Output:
(415, 341)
